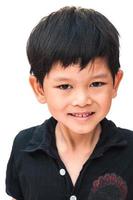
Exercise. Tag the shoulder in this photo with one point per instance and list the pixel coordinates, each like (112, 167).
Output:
(118, 136)
(119, 132)
(32, 137)
(24, 137)
(126, 134)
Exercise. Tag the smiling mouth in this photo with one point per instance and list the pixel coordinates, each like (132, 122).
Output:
(81, 115)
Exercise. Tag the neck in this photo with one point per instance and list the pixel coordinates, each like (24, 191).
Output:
(67, 140)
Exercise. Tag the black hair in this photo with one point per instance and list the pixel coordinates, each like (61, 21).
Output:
(72, 35)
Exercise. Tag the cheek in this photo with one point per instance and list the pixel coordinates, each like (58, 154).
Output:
(56, 103)
(104, 99)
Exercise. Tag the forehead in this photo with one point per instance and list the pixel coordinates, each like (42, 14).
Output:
(96, 68)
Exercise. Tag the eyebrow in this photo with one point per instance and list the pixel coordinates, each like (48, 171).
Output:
(102, 75)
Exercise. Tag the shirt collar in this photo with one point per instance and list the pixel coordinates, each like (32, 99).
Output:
(44, 138)
(111, 136)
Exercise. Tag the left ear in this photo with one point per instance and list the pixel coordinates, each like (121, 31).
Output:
(118, 78)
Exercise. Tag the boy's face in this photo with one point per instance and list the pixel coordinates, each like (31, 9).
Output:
(78, 100)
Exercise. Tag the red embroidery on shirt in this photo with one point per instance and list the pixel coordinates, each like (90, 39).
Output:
(107, 183)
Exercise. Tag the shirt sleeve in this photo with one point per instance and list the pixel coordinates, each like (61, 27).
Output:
(12, 181)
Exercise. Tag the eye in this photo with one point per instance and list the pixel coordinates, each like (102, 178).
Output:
(97, 84)
(64, 87)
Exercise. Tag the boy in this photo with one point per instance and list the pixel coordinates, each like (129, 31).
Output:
(77, 154)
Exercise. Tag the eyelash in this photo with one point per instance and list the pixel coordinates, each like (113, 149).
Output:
(94, 84)
(64, 87)
(98, 84)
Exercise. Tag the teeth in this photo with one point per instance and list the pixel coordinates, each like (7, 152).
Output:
(81, 115)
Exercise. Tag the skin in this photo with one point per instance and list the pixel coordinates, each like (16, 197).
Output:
(88, 90)
(69, 91)
(72, 90)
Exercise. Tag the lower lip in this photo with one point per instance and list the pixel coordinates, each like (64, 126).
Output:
(81, 118)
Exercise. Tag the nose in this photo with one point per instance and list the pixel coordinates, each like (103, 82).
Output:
(81, 98)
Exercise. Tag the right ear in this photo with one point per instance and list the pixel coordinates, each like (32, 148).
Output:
(38, 89)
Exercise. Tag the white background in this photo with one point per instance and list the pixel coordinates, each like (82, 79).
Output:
(18, 107)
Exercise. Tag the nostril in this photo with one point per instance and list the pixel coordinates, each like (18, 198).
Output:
(82, 102)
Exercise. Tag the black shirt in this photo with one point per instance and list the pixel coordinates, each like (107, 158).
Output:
(36, 172)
